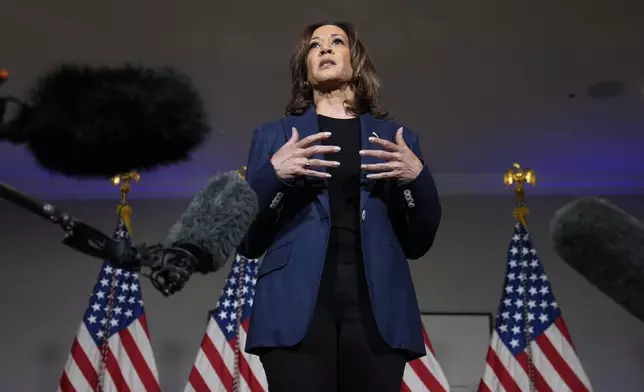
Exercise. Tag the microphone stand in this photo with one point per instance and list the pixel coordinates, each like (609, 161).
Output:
(78, 235)
(168, 268)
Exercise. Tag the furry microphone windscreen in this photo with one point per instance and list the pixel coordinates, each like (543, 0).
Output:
(606, 246)
(216, 220)
(85, 121)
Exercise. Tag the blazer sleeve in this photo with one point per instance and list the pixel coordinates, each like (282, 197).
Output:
(271, 193)
(416, 208)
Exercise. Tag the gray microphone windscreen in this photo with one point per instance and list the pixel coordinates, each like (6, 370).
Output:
(606, 246)
(216, 220)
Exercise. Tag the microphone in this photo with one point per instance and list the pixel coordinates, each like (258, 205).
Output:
(209, 231)
(203, 239)
(606, 246)
(97, 122)
(216, 221)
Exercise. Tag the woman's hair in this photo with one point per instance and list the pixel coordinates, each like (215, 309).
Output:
(365, 82)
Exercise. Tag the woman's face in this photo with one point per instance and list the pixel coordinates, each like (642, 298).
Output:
(329, 59)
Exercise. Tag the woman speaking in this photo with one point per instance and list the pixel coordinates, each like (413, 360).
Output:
(345, 199)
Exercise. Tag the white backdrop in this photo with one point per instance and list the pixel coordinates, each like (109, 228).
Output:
(460, 342)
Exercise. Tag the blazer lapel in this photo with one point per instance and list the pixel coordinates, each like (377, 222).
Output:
(368, 126)
(307, 125)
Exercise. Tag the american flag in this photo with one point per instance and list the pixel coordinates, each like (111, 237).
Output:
(424, 374)
(111, 351)
(221, 363)
(529, 313)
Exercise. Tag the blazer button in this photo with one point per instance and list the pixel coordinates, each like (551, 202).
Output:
(364, 214)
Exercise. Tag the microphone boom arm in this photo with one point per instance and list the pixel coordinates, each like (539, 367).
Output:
(78, 235)
(169, 267)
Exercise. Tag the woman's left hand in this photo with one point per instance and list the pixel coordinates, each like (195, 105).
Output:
(400, 161)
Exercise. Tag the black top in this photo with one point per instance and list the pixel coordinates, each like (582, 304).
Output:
(342, 289)
(343, 187)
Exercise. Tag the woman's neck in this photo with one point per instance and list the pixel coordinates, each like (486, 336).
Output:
(333, 103)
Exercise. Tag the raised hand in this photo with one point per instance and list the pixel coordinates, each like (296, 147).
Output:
(293, 159)
(400, 161)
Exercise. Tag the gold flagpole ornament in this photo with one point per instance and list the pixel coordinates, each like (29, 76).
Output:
(242, 172)
(517, 176)
(124, 209)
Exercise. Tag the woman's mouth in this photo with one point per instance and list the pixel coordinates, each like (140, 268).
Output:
(326, 63)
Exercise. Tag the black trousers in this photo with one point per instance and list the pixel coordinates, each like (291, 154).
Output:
(343, 350)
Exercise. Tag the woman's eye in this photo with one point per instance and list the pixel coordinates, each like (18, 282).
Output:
(338, 41)
(313, 45)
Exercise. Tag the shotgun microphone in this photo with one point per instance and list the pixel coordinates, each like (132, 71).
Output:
(606, 246)
(96, 122)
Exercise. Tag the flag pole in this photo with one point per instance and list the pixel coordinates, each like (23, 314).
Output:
(124, 211)
(239, 297)
(517, 176)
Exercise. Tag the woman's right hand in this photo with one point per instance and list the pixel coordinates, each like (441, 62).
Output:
(293, 159)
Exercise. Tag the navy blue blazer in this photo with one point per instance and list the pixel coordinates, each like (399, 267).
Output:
(398, 222)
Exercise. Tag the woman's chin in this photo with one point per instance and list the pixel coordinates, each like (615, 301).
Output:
(330, 83)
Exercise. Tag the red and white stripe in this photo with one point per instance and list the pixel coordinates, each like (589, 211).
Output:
(130, 364)
(214, 367)
(556, 365)
(424, 374)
